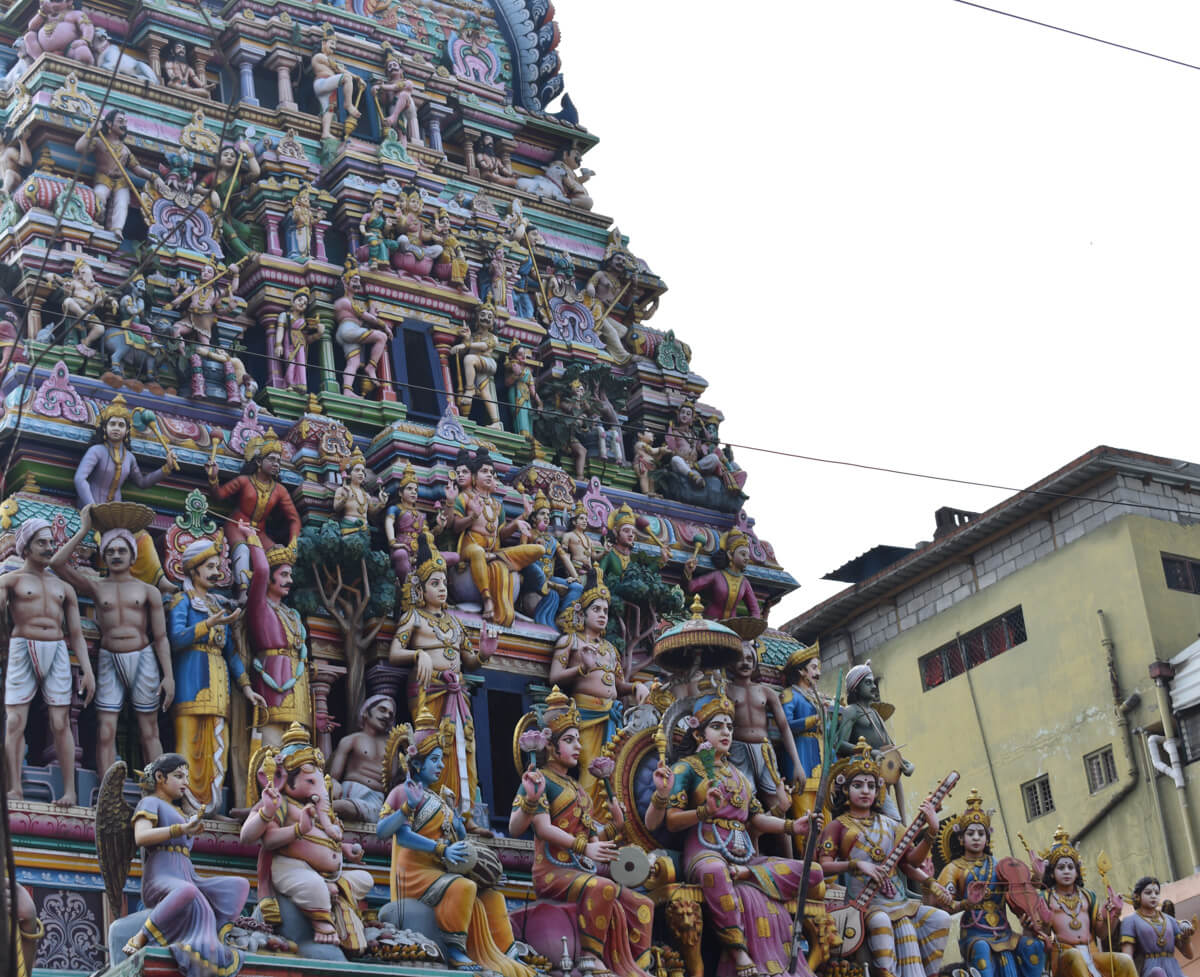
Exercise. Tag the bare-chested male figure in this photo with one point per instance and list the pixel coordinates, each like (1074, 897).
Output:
(358, 762)
(45, 630)
(135, 652)
(328, 78)
(755, 704)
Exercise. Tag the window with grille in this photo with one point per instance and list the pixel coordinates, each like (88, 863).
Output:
(1181, 573)
(973, 648)
(1101, 769)
(1038, 798)
(1189, 732)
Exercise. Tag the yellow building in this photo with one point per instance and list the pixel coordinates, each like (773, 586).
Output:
(1018, 647)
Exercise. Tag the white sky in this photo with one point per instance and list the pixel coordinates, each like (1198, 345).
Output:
(908, 234)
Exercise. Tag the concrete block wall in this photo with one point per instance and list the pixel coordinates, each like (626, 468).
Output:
(1117, 496)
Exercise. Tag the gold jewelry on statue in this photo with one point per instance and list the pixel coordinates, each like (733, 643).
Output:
(580, 845)
(662, 803)
(789, 826)
(530, 806)
(175, 831)
(439, 850)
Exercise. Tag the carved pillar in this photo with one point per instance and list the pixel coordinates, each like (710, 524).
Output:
(469, 150)
(324, 674)
(319, 239)
(245, 61)
(200, 58)
(282, 63)
(154, 45)
(267, 320)
(453, 391)
(273, 245)
(329, 380)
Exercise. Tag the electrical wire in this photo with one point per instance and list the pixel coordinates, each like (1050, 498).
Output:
(1088, 37)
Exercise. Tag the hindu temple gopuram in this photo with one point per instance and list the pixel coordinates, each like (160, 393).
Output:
(378, 593)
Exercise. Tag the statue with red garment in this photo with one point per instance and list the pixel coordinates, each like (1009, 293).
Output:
(258, 496)
(726, 587)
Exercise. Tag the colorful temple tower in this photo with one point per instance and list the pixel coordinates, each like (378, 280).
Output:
(311, 333)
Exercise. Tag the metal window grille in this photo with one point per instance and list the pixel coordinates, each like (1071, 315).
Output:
(1038, 798)
(973, 648)
(1101, 769)
(1189, 730)
(1181, 573)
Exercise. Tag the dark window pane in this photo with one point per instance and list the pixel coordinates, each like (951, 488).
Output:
(954, 659)
(932, 672)
(1016, 626)
(997, 638)
(973, 643)
(1178, 577)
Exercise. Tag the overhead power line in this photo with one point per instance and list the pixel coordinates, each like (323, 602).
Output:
(1087, 37)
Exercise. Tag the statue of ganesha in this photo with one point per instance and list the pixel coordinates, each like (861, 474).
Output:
(302, 849)
(57, 28)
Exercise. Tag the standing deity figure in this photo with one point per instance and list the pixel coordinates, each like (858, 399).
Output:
(357, 765)
(82, 298)
(428, 842)
(395, 93)
(1078, 918)
(985, 938)
(404, 524)
(106, 466)
(352, 506)
(688, 459)
(277, 642)
(646, 458)
(300, 224)
(135, 653)
(257, 495)
(755, 705)
(905, 937)
(13, 157)
(453, 253)
(576, 543)
(745, 894)
(46, 632)
(623, 529)
(478, 518)
(181, 76)
(199, 625)
(1152, 936)
(58, 28)
(361, 332)
(559, 181)
(302, 851)
(614, 922)
(114, 161)
(478, 347)
(588, 665)
(493, 277)
(372, 228)
(211, 295)
(806, 712)
(556, 590)
(726, 587)
(237, 168)
(330, 78)
(188, 914)
(522, 389)
(294, 332)
(431, 643)
(863, 719)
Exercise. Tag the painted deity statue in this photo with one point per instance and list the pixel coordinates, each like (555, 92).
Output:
(13, 158)
(522, 390)
(554, 589)
(414, 237)
(277, 640)
(615, 923)
(491, 165)
(361, 333)
(862, 718)
(372, 227)
(302, 851)
(428, 841)
(493, 277)
(478, 350)
(688, 457)
(211, 295)
(1152, 936)
(46, 632)
(237, 169)
(478, 518)
(806, 712)
(646, 458)
(352, 505)
(83, 297)
(114, 162)
(589, 666)
(576, 543)
(431, 643)
(58, 28)
(357, 764)
(563, 180)
(727, 587)
(258, 496)
(199, 624)
(112, 58)
(398, 100)
(1078, 918)
(106, 466)
(905, 938)
(330, 78)
(135, 652)
(623, 530)
(985, 938)
(180, 75)
(295, 330)
(755, 705)
(188, 914)
(745, 894)
(404, 524)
